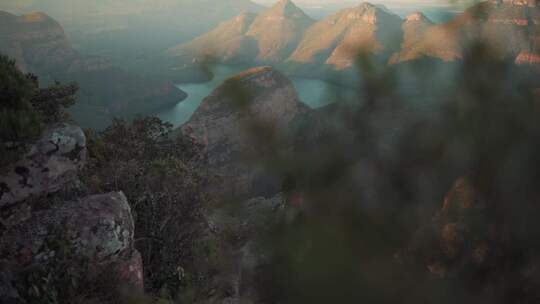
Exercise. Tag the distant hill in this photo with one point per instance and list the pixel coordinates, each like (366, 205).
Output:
(133, 33)
(508, 28)
(39, 45)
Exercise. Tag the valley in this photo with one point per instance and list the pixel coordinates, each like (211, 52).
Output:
(269, 151)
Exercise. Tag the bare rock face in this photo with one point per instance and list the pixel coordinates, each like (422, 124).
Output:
(461, 235)
(50, 163)
(224, 121)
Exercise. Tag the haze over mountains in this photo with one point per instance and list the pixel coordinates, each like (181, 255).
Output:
(268, 37)
(285, 33)
(282, 35)
(38, 44)
(114, 28)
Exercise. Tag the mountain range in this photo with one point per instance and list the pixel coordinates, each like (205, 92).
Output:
(113, 28)
(268, 37)
(283, 34)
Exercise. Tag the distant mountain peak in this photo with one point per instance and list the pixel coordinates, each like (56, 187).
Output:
(367, 7)
(35, 17)
(279, 30)
(285, 8)
(417, 17)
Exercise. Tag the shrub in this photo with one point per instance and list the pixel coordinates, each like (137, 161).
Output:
(18, 119)
(25, 108)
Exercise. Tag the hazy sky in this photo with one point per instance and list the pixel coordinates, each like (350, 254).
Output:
(349, 2)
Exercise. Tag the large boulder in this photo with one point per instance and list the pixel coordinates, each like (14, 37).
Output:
(85, 238)
(97, 227)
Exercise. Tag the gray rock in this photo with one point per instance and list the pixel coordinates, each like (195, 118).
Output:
(51, 162)
(98, 228)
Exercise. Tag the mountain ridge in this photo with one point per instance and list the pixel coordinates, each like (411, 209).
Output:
(336, 39)
(271, 36)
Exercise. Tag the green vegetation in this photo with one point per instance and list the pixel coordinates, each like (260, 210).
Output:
(25, 108)
(18, 119)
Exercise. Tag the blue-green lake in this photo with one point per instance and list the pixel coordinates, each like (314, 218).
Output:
(313, 92)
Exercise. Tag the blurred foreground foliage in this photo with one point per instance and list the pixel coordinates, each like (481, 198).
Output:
(373, 173)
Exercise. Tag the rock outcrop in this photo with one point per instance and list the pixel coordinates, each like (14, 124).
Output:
(225, 121)
(99, 228)
(50, 234)
(528, 58)
(481, 244)
(51, 162)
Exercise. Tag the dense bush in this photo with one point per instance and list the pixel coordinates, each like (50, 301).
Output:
(160, 175)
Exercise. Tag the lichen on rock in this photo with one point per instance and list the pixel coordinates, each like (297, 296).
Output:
(51, 162)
